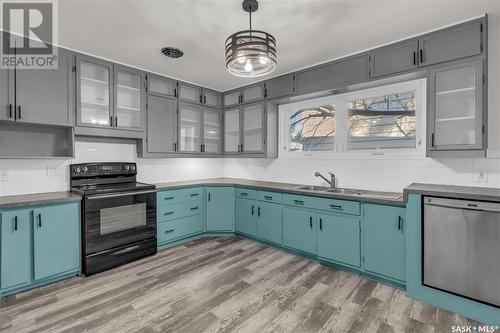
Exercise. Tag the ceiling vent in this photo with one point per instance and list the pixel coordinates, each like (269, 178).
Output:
(172, 52)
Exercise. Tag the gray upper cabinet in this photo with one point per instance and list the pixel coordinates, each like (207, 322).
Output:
(190, 93)
(211, 98)
(247, 94)
(395, 58)
(7, 91)
(190, 123)
(457, 42)
(211, 132)
(332, 76)
(456, 107)
(161, 86)
(94, 92)
(253, 127)
(129, 98)
(232, 98)
(232, 131)
(42, 96)
(161, 125)
(281, 86)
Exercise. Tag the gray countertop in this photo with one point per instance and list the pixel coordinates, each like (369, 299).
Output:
(453, 191)
(284, 187)
(12, 201)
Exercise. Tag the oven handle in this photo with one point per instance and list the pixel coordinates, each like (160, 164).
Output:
(105, 196)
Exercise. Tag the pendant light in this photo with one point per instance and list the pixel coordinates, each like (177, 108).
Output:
(250, 53)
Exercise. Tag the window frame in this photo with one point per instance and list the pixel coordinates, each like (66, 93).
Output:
(341, 121)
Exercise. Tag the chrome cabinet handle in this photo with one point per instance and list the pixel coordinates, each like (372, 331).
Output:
(298, 202)
(105, 196)
(339, 207)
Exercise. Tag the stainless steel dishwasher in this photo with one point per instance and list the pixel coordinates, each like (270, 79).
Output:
(461, 248)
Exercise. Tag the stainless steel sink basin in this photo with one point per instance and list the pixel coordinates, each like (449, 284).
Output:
(312, 188)
(366, 193)
(348, 191)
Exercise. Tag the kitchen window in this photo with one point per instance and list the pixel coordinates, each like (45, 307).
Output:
(386, 120)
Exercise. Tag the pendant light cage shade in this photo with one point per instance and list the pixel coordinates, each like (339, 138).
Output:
(251, 53)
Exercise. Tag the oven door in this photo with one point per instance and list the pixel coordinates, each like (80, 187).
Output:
(112, 220)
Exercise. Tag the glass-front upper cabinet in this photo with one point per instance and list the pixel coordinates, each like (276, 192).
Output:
(128, 99)
(189, 128)
(253, 129)
(456, 107)
(232, 131)
(94, 98)
(211, 132)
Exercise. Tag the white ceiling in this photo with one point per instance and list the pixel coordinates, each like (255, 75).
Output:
(307, 32)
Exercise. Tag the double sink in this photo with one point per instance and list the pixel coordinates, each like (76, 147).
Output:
(350, 192)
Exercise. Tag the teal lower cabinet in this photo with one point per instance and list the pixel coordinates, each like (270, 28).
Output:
(269, 222)
(180, 214)
(384, 241)
(38, 245)
(220, 209)
(299, 229)
(339, 238)
(245, 216)
(54, 254)
(15, 249)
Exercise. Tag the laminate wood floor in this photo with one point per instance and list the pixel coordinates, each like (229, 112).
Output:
(221, 285)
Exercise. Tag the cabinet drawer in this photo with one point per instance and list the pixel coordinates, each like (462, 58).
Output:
(172, 212)
(299, 200)
(270, 196)
(336, 205)
(180, 195)
(180, 228)
(245, 193)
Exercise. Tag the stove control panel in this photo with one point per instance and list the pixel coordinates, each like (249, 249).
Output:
(87, 170)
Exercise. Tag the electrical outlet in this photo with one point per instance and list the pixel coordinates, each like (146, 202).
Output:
(4, 175)
(481, 176)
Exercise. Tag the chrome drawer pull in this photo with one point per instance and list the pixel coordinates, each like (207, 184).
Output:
(336, 207)
(298, 202)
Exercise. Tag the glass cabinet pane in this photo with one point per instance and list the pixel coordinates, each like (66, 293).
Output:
(128, 100)
(231, 131)
(455, 108)
(160, 86)
(211, 131)
(189, 131)
(232, 98)
(252, 128)
(95, 108)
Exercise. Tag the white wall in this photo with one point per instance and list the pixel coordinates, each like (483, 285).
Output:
(33, 176)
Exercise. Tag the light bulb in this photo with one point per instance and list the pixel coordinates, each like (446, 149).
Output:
(263, 60)
(248, 66)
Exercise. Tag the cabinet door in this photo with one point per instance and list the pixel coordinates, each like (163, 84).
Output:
(7, 102)
(395, 58)
(219, 208)
(253, 128)
(232, 134)
(46, 96)
(94, 87)
(189, 128)
(232, 98)
(190, 93)
(212, 135)
(161, 86)
(129, 103)
(299, 229)
(450, 44)
(339, 238)
(456, 115)
(245, 216)
(211, 98)
(332, 76)
(384, 241)
(56, 240)
(162, 125)
(253, 93)
(15, 248)
(269, 222)
(280, 86)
